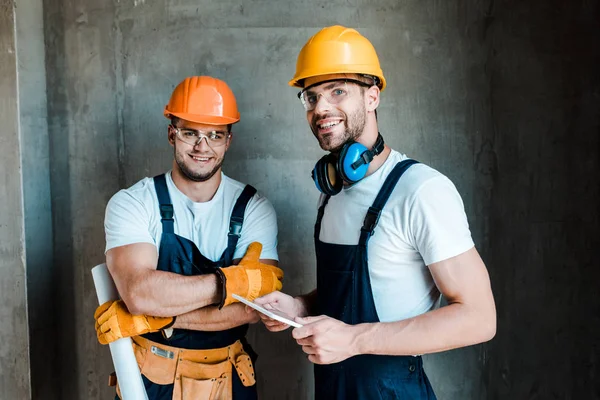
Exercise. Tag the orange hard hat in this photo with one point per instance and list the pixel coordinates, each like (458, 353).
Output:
(205, 100)
(337, 50)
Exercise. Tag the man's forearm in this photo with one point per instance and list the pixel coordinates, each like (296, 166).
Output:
(165, 294)
(212, 319)
(148, 291)
(453, 326)
(470, 317)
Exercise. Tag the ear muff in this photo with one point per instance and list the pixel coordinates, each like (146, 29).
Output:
(354, 159)
(351, 166)
(326, 177)
(350, 153)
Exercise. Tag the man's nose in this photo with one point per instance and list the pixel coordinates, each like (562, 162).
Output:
(322, 104)
(203, 139)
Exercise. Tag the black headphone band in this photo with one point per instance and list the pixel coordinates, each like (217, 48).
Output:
(368, 155)
(379, 145)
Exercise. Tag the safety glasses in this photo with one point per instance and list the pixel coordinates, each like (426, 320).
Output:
(336, 92)
(194, 137)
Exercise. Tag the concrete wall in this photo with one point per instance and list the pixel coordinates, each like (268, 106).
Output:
(41, 270)
(544, 85)
(14, 347)
(501, 96)
(111, 70)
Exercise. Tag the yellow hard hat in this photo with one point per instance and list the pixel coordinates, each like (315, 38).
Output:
(337, 50)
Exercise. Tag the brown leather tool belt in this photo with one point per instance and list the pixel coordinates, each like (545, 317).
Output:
(195, 374)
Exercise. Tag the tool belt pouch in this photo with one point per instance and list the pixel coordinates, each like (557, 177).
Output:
(193, 374)
(195, 380)
(244, 369)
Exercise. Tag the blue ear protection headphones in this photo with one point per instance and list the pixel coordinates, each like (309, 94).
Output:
(350, 166)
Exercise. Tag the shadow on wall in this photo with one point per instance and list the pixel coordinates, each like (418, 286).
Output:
(58, 373)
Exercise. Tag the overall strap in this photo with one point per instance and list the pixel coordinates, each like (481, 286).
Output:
(164, 203)
(236, 222)
(372, 217)
(320, 216)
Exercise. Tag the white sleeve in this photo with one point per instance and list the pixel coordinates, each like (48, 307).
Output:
(260, 225)
(126, 221)
(438, 224)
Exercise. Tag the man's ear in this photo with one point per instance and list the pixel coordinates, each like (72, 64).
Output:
(229, 140)
(171, 135)
(372, 98)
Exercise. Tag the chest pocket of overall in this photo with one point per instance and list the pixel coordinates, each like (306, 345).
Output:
(336, 280)
(343, 281)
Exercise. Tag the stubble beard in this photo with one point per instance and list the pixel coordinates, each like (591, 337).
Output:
(354, 124)
(192, 175)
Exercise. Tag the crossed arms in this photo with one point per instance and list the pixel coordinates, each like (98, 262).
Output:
(148, 291)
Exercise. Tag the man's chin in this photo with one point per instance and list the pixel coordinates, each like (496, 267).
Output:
(199, 176)
(329, 143)
(331, 147)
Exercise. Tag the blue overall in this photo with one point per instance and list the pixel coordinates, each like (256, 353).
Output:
(344, 292)
(181, 256)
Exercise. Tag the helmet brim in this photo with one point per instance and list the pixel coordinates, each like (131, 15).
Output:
(203, 119)
(298, 81)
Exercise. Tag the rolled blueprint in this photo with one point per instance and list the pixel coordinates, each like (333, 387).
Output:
(128, 372)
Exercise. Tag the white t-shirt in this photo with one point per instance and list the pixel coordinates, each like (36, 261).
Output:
(133, 216)
(423, 222)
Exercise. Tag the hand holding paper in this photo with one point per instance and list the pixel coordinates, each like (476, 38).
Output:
(271, 314)
(280, 303)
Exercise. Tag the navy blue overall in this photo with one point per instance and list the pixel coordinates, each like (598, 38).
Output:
(344, 292)
(181, 256)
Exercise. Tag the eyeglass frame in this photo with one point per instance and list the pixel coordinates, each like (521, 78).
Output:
(201, 135)
(345, 80)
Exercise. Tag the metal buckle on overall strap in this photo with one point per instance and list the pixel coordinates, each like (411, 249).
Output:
(166, 211)
(371, 220)
(235, 227)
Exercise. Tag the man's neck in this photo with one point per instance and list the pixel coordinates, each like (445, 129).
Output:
(198, 192)
(369, 138)
(379, 160)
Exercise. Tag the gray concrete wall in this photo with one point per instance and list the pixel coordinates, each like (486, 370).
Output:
(84, 165)
(544, 85)
(14, 345)
(501, 96)
(41, 270)
(112, 69)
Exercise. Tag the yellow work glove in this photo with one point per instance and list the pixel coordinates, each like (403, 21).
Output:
(114, 321)
(250, 278)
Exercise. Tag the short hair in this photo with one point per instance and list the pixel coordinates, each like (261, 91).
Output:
(175, 121)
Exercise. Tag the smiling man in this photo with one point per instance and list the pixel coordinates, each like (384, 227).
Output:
(391, 235)
(173, 247)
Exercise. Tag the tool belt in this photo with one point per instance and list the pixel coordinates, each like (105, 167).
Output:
(195, 374)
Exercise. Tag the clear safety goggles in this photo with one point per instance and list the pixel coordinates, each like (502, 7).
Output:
(334, 93)
(194, 137)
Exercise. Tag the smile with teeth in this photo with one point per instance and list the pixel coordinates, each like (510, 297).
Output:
(329, 124)
(200, 158)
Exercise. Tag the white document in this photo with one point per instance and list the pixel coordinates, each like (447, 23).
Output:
(269, 313)
(121, 350)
